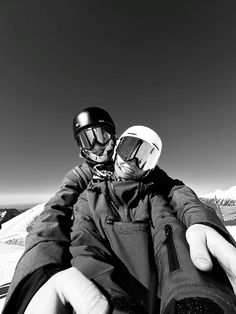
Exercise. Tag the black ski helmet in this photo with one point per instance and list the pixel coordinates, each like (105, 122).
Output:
(92, 116)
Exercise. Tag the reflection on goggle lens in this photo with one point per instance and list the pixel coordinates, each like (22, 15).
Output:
(131, 148)
(88, 137)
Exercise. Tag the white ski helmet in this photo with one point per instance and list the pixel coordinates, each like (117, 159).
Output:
(142, 143)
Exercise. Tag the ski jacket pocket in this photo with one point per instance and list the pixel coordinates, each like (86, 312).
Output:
(131, 242)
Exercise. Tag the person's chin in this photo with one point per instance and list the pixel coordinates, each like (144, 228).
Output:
(121, 174)
(127, 177)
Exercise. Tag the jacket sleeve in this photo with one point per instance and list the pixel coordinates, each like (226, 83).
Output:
(163, 183)
(48, 241)
(189, 209)
(54, 224)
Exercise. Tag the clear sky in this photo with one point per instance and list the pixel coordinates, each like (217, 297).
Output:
(171, 67)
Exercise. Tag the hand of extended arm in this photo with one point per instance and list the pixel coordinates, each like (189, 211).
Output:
(203, 241)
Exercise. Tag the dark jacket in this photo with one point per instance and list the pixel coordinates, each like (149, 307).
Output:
(119, 229)
(180, 284)
(47, 245)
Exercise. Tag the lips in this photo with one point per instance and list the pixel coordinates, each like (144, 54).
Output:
(98, 152)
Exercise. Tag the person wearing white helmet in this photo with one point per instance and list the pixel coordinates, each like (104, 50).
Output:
(127, 238)
(140, 145)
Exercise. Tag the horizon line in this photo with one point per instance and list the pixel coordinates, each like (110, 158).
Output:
(24, 198)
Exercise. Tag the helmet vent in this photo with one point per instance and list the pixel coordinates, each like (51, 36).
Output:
(132, 133)
(155, 146)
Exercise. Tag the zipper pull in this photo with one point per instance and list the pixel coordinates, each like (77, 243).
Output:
(168, 230)
(127, 213)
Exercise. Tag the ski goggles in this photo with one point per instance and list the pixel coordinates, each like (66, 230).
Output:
(132, 148)
(88, 137)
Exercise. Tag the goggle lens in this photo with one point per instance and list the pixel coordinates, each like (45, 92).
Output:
(131, 148)
(88, 137)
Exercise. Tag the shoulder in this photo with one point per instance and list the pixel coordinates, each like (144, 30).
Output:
(83, 169)
(158, 175)
(80, 173)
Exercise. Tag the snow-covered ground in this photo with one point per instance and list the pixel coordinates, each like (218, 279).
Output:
(9, 256)
(232, 230)
(14, 229)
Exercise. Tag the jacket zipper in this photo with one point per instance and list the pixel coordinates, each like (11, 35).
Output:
(119, 203)
(171, 251)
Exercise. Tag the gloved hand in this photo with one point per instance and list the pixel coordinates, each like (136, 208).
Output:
(203, 240)
(68, 286)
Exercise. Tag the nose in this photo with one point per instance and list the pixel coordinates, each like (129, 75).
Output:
(134, 161)
(98, 148)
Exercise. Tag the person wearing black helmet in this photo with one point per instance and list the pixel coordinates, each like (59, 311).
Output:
(46, 249)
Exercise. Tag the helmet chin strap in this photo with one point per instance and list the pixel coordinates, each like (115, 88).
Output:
(106, 155)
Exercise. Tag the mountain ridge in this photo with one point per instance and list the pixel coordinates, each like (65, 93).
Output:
(230, 193)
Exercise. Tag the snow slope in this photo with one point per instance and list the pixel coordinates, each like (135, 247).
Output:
(16, 227)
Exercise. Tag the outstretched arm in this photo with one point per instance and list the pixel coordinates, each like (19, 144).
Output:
(204, 241)
(184, 201)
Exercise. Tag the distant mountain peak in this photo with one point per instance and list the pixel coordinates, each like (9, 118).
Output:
(225, 194)
(8, 213)
(16, 228)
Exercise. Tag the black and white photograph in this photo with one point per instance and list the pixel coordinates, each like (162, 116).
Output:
(118, 157)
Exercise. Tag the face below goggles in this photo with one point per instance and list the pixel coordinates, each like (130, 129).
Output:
(87, 138)
(132, 148)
